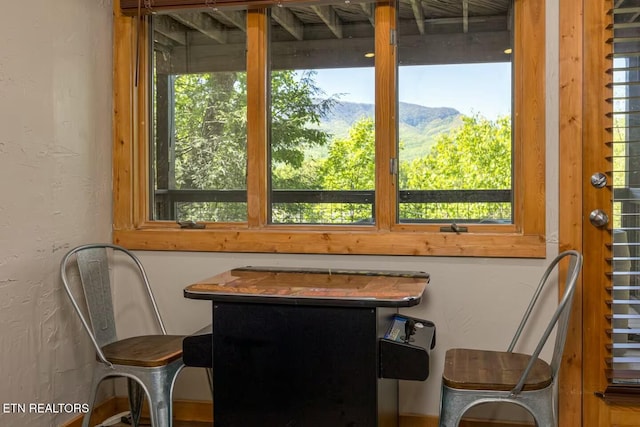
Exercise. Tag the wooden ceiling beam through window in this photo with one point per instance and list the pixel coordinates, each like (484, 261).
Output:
(171, 29)
(236, 17)
(416, 5)
(163, 42)
(495, 20)
(338, 53)
(288, 21)
(203, 23)
(130, 7)
(330, 18)
(320, 35)
(465, 16)
(368, 10)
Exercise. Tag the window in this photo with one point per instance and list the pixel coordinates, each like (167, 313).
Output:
(199, 135)
(455, 141)
(314, 120)
(323, 138)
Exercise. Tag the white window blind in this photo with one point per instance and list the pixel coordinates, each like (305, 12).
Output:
(624, 364)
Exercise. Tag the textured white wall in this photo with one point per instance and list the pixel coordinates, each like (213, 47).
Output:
(55, 191)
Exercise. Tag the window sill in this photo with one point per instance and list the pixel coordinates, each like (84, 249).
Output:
(367, 241)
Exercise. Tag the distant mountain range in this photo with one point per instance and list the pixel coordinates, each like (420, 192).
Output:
(419, 125)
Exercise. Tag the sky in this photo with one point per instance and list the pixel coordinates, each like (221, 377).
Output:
(469, 88)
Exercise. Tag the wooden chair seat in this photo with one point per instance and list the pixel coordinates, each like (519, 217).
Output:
(469, 369)
(147, 351)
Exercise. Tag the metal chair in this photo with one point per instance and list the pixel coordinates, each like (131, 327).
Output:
(150, 363)
(474, 377)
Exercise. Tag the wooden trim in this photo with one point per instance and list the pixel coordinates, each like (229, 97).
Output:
(141, 150)
(471, 228)
(100, 413)
(123, 101)
(624, 416)
(477, 229)
(583, 121)
(257, 74)
(449, 244)
(183, 410)
(385, 114)
(594, 136)
(529, 116)
(570, 200)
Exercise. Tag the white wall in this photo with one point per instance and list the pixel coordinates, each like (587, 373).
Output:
(55, 191)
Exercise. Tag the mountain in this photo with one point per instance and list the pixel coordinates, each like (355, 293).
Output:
(419, 125)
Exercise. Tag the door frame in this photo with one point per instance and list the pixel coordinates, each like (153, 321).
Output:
(583, 150)
(570, 192)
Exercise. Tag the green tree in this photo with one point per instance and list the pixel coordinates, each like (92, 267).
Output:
(210, 153)
(210, 141)
(475, 156)
(210, 135)
(351, 166)
(210, 131)
(351, 161)
(297, 105)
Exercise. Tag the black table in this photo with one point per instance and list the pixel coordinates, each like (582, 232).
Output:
(307, 348)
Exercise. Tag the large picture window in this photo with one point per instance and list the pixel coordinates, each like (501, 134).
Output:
(335, 127)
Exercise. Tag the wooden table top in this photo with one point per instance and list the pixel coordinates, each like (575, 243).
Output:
(313, 287)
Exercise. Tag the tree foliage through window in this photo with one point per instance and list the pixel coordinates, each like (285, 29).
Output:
(210, 153)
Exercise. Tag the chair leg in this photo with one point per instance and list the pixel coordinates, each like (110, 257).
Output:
(543, 411)
(95, 382)
(136, 393)
(452, 408)
(210, 379)
(160, 407)
(448, 418)
(158, 384)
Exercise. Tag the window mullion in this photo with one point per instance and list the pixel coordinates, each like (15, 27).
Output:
(386, 114)
(257, 182)
(141, 77)
(124, 96)
(529, 106)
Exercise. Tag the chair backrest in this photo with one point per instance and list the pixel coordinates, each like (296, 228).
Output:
(93, 265)
(560, 318)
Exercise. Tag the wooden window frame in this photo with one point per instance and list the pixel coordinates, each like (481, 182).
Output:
(133, 229)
